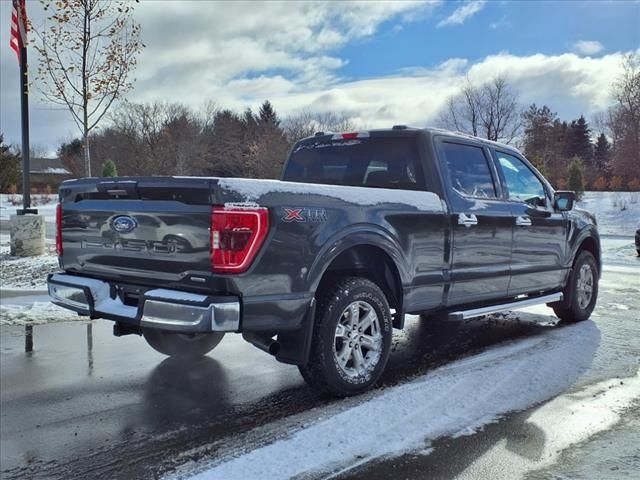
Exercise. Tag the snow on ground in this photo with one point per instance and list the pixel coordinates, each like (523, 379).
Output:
(456, 399)
(46, 205)
(34, 313)
(23, 285)
(601, 406)
(26, 272)
(617, 213)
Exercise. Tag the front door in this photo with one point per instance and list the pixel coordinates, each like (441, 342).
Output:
(480, 223)
(539, 233)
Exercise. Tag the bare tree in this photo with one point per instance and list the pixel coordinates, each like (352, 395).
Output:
(624, 120)
(88, 49)
(306, 123)
(490, 111)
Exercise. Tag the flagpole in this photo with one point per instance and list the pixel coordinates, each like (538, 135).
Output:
(24, 105)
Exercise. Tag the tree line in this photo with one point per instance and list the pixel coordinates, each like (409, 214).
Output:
(162, 138)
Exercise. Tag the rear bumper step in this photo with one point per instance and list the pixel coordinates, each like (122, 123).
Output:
(160, 308)
(525, 302)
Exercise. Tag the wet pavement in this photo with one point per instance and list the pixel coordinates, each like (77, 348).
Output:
(85, 404)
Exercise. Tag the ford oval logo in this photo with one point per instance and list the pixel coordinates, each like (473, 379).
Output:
(123, 224)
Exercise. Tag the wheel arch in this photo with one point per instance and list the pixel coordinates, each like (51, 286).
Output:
(591, 243)
(370, 255)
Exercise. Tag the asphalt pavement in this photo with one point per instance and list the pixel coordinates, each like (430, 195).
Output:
(76, 402)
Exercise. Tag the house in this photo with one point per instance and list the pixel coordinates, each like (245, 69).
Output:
(46, 172)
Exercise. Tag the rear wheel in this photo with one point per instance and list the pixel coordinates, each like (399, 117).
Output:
(581, 292)
(182, 345)
(351, 339)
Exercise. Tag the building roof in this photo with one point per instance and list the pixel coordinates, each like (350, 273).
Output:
(47, 166)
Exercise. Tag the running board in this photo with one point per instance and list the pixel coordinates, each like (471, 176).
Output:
(526, 302)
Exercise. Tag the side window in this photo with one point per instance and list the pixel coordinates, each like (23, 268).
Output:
(522, 183)
(468, 170)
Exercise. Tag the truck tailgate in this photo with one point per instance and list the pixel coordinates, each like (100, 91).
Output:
(146, 230)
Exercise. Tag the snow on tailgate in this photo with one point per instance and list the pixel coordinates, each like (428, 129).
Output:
(455, 399)
(254, 189)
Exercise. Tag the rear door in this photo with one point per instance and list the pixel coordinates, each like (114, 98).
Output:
(539, 233)
(481, 222)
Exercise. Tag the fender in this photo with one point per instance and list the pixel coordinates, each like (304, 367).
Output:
(577, 236)
(359, 234)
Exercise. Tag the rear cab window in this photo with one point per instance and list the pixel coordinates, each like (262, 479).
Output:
(371, 161)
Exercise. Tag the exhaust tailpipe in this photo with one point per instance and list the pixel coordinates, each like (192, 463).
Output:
(263, 341)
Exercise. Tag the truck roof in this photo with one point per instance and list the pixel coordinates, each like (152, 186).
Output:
(404, 130)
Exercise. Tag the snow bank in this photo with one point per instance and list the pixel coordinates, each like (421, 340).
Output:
(253, 190)
(36, 313)
(456, 399)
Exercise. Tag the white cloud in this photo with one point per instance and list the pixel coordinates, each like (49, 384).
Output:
(569, 84)
(463, 13)
(239, 54)
(588, 47)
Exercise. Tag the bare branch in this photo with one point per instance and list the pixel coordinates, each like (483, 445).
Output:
(87, 50)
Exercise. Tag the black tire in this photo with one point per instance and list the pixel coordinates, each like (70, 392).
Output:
(182, 345)
(324, 372)
(572, 308)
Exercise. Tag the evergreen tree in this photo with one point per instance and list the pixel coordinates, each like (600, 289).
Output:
(268, 116)
(9, 167)
(538, 142)
(109, 169)
(579, 140)
(225, 147)
(602, 155)
(575, 173)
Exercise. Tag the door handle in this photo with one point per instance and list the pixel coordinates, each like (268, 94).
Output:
(523, 221)
(467, 220)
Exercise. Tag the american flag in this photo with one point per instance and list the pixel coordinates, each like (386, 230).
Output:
(18, 26)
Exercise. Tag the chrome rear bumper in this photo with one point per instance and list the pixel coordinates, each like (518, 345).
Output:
(159, 308)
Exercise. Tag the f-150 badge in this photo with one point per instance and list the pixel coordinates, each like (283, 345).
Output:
(304, 215)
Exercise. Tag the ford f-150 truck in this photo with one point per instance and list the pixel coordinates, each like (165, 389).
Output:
(318, 268)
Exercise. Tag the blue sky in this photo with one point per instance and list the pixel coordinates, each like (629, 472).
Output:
(521, 28)
(378, 62)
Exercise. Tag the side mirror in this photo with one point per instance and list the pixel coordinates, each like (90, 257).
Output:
(564, 200)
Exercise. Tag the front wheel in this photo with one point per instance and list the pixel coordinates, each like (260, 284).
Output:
(581, 291)
(351, 338)
(182, 345)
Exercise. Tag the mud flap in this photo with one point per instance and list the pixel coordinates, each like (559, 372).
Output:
(295, 346)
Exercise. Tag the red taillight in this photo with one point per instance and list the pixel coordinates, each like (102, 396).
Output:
(349, 136)
(236, 237)
(59, 229)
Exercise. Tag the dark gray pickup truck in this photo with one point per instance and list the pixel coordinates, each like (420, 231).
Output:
(317, 269)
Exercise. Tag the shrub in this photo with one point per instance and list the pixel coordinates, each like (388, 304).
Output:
(109, 169)
(575, 172)
(634, 185)
(616, 183)
(600, 183)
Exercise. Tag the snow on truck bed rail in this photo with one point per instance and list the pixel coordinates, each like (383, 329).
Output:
(254, 189)
(456, 399)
